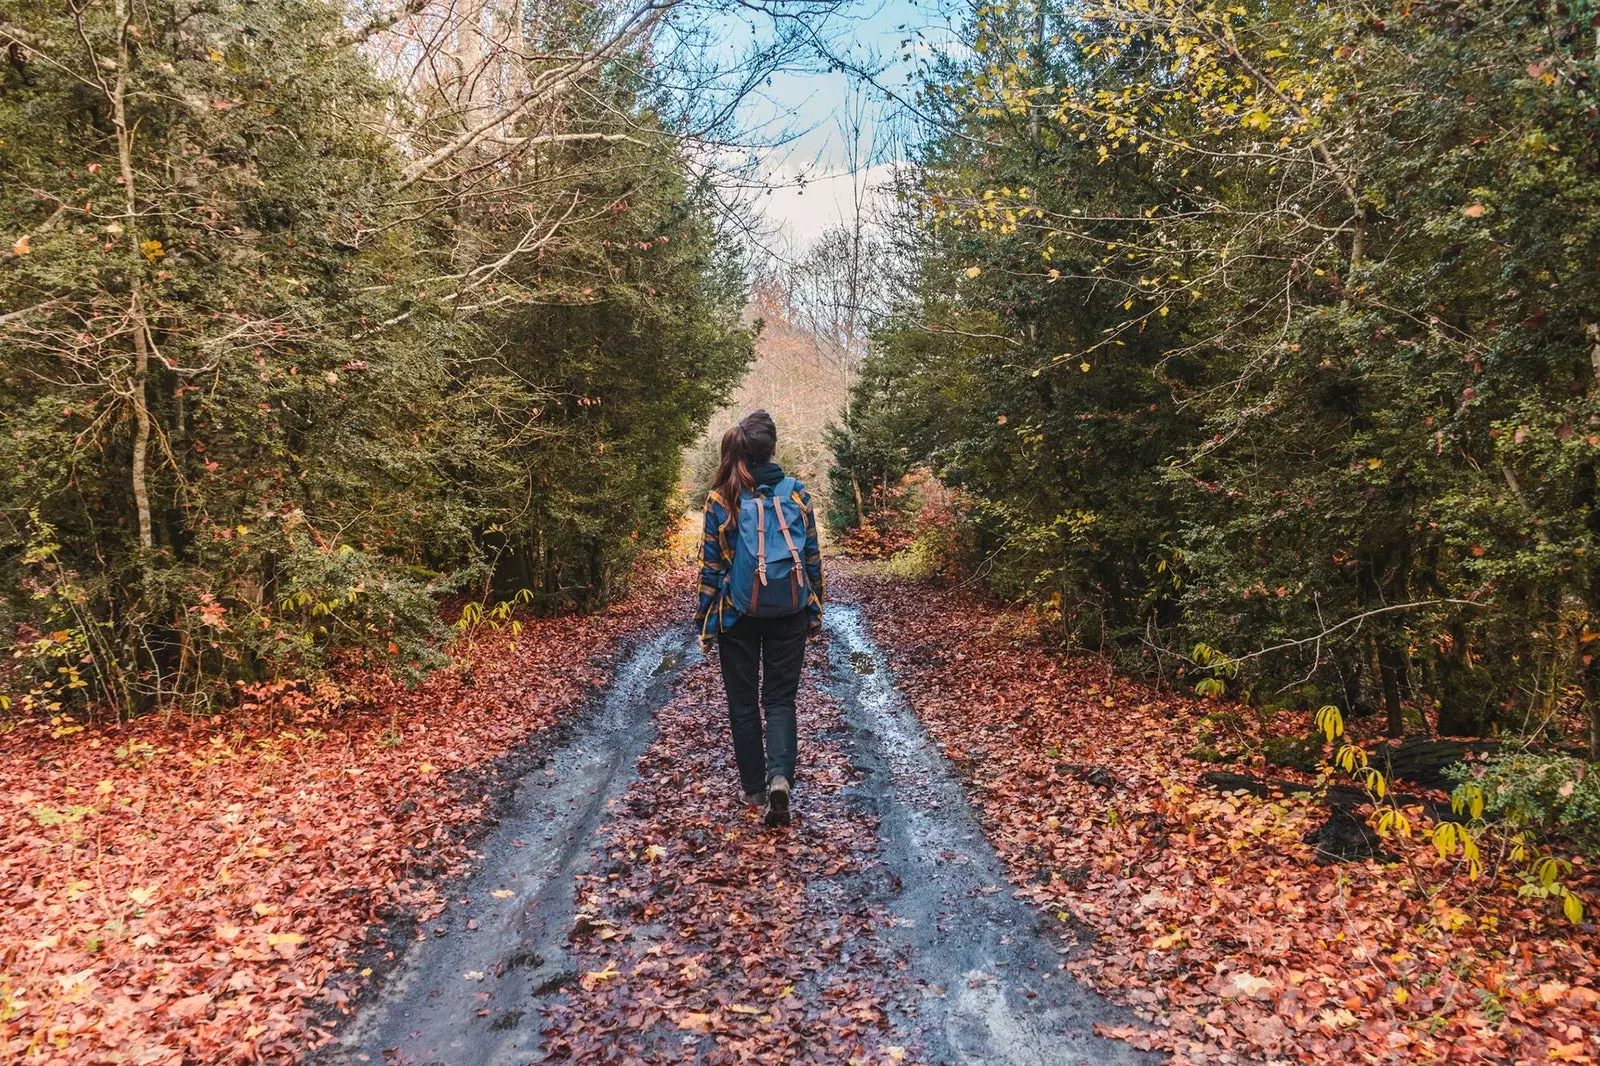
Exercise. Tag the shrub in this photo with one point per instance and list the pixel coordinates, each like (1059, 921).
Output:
(1550, 795)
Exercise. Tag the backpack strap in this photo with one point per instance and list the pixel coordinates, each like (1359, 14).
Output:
(784, 490)
(777, 508)
(759, 578)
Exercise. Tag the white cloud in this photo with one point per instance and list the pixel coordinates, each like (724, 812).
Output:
(798, 212)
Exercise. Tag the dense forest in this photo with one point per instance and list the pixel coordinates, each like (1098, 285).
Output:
(1258, 344)
(308, 321)
(1201, 399)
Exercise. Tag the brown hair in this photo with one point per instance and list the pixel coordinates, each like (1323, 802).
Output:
(748, 443)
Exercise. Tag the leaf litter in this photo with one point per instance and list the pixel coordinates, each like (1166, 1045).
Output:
(1210, 918)
(218, 891)
(702, 936)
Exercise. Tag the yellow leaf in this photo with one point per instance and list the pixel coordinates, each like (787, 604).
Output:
(741, 1008)
(22, 247)
(73, 980)
(973, 272)
(1401, 996)
(1339, 1019)
(291, 940)
(1551, 992)
(141, 896)
(502, 893)
(152, 250)
(655, 852)
(599, 977)
(1245, 984)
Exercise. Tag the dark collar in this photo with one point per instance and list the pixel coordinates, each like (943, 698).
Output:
(768, 473)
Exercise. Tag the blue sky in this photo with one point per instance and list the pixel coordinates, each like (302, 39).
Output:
(811, 179)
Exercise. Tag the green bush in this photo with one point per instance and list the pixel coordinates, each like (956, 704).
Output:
(1550, 795)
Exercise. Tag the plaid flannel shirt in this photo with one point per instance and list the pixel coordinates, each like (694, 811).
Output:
(715, 611)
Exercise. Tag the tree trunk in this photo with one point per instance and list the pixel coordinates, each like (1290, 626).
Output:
(1585, 500)
(141, 426)
(1594, 723)
(139, 380)
(1391, 666)
(1591, 697)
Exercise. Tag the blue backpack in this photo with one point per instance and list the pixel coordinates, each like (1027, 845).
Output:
(769, 575)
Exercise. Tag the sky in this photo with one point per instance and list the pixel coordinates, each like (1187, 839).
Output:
(810, 180)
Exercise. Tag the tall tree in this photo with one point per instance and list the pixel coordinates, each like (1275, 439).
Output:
(1359, 244)
(287, 331)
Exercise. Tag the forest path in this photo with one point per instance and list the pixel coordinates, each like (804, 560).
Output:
(652, 919)
(461, 993)
(989, 965)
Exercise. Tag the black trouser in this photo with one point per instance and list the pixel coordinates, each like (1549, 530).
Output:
(777, 647)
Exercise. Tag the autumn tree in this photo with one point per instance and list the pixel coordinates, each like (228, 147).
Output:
(312, 314)
(1357, 246)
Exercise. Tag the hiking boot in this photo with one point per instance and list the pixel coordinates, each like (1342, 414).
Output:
(755, 799)
(778, 802)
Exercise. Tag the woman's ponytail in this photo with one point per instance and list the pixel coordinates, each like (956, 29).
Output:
(733, 473)
(748, 443)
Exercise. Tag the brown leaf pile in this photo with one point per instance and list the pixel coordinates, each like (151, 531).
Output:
(181, 894)
(1212, 920)
(704, 936)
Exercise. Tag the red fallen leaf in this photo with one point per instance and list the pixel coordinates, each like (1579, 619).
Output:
(189, 1007)
(1222, 882)
(1143, 1039)
(274, 878)
(723, 892)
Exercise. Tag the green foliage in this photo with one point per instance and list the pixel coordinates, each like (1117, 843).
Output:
(258, 416)
(1271, 327)
(1546, 794)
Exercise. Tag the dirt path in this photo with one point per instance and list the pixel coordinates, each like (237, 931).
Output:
(462, 993)
(990, 968)
(644, 916)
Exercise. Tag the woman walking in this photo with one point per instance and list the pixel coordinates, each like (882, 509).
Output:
(760, 596)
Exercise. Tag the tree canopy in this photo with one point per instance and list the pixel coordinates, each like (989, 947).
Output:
(306, 323)
(1262, 337)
